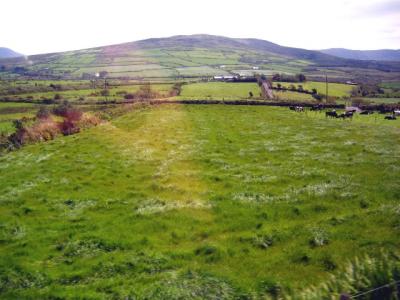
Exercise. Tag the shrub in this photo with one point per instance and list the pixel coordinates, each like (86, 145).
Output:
(105, 93)
(129, 96)
(67, 127)
(73, 115)
(41, 131)
(88, 120)
(43, 113)
(176, 90)
(67, 111)
(61, 109)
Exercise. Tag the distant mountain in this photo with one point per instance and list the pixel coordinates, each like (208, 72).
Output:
(8, 53)
(383, 55)
(220, 42)
(192, 56)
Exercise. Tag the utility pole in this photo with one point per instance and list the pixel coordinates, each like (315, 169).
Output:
(326, 82)
(105, 88)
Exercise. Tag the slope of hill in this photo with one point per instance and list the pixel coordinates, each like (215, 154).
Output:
(383, 55)
(7, 53)
(190, 56)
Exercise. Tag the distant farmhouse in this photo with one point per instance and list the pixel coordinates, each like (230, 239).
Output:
(226, 77)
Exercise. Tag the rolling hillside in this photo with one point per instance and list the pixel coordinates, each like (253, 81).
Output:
(383, 55)
(191, 56)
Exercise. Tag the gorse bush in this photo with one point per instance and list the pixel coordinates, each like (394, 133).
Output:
(41, 130)
(44, 127)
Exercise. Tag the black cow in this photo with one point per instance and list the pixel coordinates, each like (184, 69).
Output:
(366, 112)
(347, 114)
(331, 114)
(390, 117)
(316, 107)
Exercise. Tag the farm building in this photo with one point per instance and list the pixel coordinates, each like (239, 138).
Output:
(225, 77)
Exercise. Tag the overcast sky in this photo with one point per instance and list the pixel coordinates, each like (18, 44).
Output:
(41, 26)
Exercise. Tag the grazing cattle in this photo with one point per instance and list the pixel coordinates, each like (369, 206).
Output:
(366, 112)
(348, 114)
(296, 108)
(331, 114)
(390, 117)
(345, 115)
(317, 107)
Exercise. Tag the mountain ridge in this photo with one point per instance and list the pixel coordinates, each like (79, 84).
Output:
(190, 56)
(8, 53)
(379, 55)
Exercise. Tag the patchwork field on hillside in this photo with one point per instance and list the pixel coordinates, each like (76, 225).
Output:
(178, 202)
(334, 89)
(219, 90)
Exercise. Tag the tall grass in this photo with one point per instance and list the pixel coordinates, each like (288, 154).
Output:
(365, 277)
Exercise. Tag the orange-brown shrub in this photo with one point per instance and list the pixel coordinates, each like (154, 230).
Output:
(88, 120)
(42, 130)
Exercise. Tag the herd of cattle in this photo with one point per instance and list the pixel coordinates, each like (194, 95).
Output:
(348, 113)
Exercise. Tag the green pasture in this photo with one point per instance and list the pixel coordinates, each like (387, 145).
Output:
(197, 202)
(334, 89)
(116, 92)
(292, 96)
(219, 90)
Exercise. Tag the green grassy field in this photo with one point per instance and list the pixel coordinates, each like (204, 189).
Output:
(292, 96)
(13, 111)
(201, 202)
(219, 90)
(382, 100)
(391, 85)
(116, 92)
(334, 89)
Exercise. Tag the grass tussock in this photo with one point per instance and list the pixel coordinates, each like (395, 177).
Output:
(361, 276)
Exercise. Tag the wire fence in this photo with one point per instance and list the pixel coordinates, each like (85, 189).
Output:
(365, 293)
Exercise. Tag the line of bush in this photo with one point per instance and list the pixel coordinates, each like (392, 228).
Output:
(46, 126)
